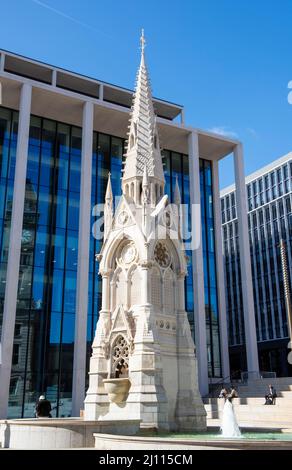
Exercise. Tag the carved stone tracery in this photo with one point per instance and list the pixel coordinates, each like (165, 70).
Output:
(162, 255)
(120, 357)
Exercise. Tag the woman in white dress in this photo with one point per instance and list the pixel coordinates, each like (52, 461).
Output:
(229, 425)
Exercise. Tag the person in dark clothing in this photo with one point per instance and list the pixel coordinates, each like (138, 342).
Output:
(43, 408)
(271, 396)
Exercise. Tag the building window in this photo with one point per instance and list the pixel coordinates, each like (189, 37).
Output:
(17, 330)
(211, 301)
(15, 354)
(267, 182)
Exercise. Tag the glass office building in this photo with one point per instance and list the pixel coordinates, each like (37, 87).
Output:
(269, 220)
(46, 300)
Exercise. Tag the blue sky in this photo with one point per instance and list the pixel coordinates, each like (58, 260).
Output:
(229, 62)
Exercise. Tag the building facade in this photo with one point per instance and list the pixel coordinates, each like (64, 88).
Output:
(60, 135)
(269, 221)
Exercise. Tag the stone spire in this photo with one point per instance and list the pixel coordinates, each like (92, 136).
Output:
(108, 207)
(143, 141)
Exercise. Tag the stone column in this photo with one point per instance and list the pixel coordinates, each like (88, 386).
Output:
(198, 270)
(79, 365)
(220, 274)
(12, 275)
(245, 264)
(2, 58)
(144, 282)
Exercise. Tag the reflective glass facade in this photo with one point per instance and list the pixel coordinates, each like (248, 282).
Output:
(45, 316)
(107, 157)
(177, 167)
(46, 300)
(210, 277)
(8, 138)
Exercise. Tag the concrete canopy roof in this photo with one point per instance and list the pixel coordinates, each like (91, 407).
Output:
(66, 106)
(45, 73)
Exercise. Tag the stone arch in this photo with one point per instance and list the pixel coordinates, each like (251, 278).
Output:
(119, 357)
(169, 288)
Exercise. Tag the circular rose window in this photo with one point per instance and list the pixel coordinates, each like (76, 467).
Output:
(161, 255)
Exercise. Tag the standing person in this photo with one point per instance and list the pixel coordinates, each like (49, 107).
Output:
(271, 396)
(229, 425)
(43, 408)
(223, 393)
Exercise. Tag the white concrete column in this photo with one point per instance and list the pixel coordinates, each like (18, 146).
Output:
(12, 275)
(2, 58)
(100, 92)
(79, 365)
(198, 269)
(54, 77)
(220, 274)
(245, 263)
(182, 117)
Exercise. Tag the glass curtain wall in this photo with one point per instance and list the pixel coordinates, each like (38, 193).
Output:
(45, 316)
(8, 138)
(210, 278)
(107, 158)
(177, 168)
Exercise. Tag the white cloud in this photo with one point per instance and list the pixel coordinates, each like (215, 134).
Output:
(224, 131)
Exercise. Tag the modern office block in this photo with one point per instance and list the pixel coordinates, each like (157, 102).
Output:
(60, 135)
(269, 221)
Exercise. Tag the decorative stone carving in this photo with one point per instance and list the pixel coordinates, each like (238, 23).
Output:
(128, 253)
(162, 255)
(146, 264)
(123, 218)
(106, 349)
(167, 219)
(120, 358)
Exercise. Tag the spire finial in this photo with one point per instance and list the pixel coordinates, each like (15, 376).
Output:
(142, 41)
(109, 193)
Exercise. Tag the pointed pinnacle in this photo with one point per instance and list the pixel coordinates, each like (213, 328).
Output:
(109, 193)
